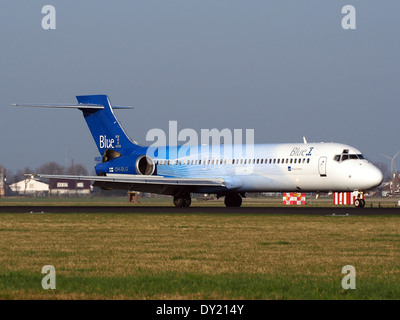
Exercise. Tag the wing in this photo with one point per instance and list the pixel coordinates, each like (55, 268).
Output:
(152, 184)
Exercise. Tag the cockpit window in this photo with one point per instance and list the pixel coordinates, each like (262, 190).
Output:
(346, 156)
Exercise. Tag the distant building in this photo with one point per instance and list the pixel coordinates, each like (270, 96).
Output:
(30, 187)
(64, 187)
(392, 187)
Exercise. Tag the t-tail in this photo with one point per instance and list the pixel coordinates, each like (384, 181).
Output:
(104, 126)
(110, 138)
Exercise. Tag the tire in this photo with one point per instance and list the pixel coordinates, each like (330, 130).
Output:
(182, 201)
(233, 200)
(178, 202)
(187, 201)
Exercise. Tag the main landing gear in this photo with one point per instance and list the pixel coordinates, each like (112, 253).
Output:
(233, 200)
(183, 201)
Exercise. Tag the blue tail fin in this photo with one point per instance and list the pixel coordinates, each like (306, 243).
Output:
(104, 126)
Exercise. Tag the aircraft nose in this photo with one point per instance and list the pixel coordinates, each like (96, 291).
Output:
(375, 177)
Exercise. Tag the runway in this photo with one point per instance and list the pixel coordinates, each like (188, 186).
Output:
(300, 210)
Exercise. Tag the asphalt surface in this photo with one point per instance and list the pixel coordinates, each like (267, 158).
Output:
(301, 210)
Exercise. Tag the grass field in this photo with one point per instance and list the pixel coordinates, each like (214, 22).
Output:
(167, 201)
(198, 256)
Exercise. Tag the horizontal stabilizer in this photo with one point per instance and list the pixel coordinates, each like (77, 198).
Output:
(70, 106)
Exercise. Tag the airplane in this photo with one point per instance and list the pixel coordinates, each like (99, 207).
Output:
(170, 170)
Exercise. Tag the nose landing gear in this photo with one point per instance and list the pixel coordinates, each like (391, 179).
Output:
(359, 202)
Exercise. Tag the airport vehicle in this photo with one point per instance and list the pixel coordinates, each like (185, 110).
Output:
(229, 172)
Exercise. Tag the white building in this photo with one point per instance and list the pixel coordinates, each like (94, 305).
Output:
(62, 187)
(30, 187)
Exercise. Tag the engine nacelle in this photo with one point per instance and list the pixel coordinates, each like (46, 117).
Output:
(132, 164)
(145, 165)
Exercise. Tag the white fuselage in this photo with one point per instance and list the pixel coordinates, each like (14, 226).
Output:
(274, 167)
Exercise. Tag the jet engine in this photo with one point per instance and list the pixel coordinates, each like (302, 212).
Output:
(145, 165)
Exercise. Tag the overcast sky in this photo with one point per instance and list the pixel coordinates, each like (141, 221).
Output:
(286, 69)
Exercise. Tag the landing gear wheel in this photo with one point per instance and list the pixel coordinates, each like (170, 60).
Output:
(233, 200)
(182, 201)
(187, 201)
(359, 203)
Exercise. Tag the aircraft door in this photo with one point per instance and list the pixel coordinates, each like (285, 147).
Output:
(322, 166)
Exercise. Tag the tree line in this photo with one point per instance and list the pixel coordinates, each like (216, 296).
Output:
(46, 168)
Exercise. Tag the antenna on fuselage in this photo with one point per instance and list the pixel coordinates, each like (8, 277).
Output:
(305, 140)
